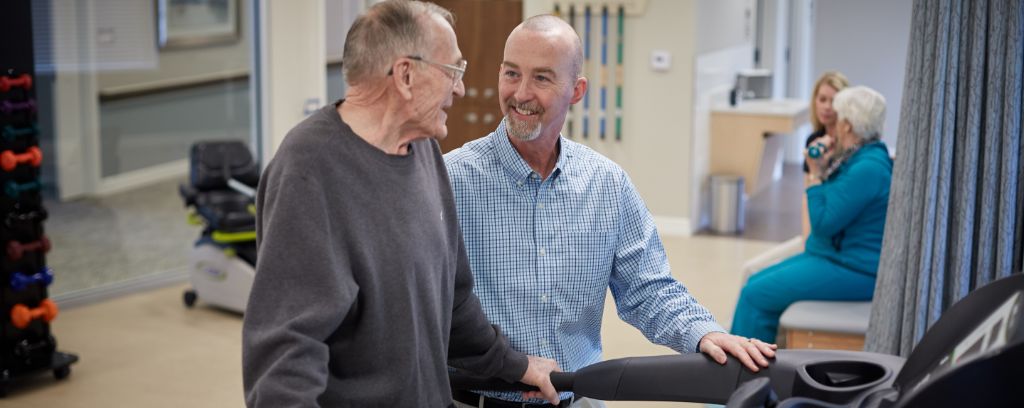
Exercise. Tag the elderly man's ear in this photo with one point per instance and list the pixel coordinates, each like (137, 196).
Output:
(402, 78)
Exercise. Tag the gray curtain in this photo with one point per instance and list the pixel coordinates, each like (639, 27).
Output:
(955, 206)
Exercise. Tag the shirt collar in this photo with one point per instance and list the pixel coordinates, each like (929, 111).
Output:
(514, 165)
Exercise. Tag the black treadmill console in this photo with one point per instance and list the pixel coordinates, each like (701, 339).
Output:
(998, 330)
(981, 367)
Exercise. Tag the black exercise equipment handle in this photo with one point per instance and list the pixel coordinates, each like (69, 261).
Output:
(686, 377)
(460, 380)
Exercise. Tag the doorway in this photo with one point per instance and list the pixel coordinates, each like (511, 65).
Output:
(482, 27)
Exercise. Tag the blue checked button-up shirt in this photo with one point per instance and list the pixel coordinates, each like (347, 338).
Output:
(543, 253)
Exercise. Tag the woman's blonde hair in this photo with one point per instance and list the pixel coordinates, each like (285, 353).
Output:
(837, 81)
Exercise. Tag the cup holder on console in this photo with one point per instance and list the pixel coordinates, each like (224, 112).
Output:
(838, 381)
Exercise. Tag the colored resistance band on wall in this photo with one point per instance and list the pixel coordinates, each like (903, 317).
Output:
(604, 120)
(586, 68)
(618, 78)
(604, 67)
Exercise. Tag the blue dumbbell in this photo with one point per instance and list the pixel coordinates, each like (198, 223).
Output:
(20, 281)
(14, 189)
(10, 132)
(816, 150)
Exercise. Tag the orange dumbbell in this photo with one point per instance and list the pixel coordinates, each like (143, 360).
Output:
(22, 315)
(23, 80)
(9, 160)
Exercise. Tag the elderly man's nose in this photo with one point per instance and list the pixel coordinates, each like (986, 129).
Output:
(460, 88)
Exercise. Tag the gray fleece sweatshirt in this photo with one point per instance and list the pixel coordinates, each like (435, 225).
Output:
(363, 292)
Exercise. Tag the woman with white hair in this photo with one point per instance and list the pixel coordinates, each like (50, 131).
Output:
(847, 196)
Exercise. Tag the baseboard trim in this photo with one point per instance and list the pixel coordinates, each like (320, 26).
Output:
(142, 177)
(109, 291)
(673, 226)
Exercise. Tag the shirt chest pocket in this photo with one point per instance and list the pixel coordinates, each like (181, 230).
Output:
(587, 249)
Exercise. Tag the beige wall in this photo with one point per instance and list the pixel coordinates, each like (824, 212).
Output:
(657, 106)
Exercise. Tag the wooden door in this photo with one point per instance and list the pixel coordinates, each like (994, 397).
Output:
(482, 27)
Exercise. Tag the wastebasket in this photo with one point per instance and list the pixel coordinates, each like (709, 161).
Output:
(727, 204)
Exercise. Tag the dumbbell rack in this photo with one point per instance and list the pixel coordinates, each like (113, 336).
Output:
(26, 344)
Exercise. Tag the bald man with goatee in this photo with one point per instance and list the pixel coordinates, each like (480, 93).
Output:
(550, 225)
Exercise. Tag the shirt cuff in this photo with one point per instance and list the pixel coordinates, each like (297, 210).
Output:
(699, 330)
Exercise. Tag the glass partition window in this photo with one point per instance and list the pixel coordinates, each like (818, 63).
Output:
(123, 93)
(152, 77)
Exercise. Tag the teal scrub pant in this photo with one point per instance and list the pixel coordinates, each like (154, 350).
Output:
(802, 277)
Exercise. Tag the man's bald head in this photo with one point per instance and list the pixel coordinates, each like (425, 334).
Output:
(549, 24)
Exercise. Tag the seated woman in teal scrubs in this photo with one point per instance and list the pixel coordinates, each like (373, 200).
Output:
(847, 197)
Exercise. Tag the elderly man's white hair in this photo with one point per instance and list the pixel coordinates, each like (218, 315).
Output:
(864, 108)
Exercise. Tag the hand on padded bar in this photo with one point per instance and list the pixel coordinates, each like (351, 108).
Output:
(753, 353)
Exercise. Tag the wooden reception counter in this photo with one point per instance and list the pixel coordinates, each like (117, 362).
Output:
(739, 137)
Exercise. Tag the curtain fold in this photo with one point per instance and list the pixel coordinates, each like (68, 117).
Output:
(954, 216)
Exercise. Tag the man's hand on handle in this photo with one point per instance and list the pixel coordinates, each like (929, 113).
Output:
(538, 374)
(753, 353)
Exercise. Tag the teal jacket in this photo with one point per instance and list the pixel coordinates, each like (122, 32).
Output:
(847, 211)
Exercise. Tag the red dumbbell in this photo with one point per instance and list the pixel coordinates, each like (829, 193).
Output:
(23, 80)
(16, 249)
(21, 315)
(9, 160)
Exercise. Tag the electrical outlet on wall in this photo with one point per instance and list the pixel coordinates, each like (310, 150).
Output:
(310, 106)
(661, 60)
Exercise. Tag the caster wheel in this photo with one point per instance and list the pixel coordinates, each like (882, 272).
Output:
(62, 373)
(190, 298)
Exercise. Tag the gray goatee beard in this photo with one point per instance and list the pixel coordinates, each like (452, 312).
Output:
(521, 130)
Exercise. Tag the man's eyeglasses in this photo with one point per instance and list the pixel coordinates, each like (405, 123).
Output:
(457, 70)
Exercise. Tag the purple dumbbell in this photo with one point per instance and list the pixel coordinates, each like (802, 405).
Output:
(9, 107)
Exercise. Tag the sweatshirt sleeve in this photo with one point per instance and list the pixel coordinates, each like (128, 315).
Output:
(284, 354)
(832, 205)
(475, 344)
